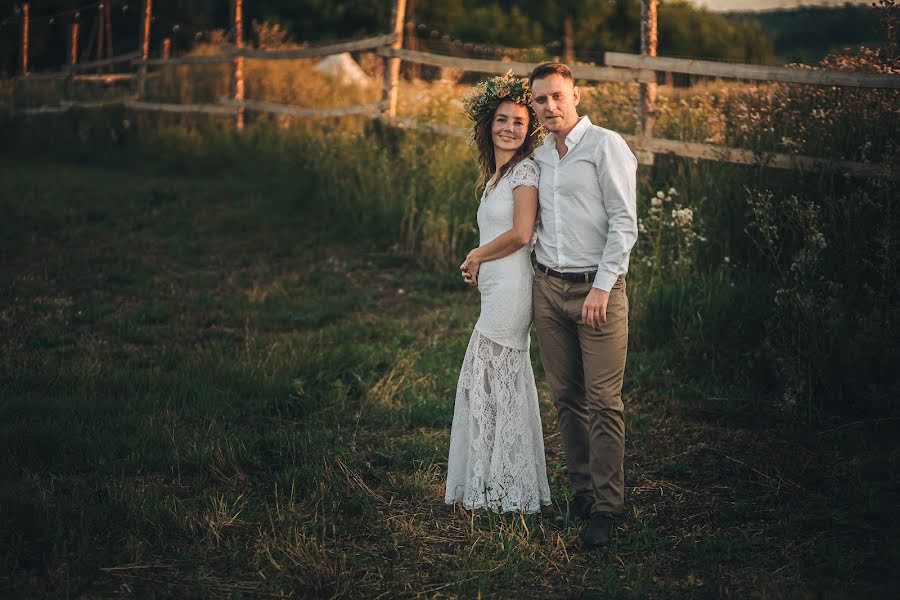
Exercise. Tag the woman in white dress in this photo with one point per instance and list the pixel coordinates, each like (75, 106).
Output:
(496, 444)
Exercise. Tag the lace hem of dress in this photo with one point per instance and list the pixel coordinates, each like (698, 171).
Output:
(496, 456)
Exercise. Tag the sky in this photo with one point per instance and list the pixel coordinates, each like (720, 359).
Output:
(723, 5)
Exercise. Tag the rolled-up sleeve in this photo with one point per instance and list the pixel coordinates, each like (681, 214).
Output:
(617, 173)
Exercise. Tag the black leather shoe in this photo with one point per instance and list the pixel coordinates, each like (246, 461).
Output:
(578, 509)
(599, 532)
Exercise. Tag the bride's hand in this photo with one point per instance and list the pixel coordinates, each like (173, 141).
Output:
(470, 275)
(469, 269)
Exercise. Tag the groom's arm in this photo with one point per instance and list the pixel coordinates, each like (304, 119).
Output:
(617, 175)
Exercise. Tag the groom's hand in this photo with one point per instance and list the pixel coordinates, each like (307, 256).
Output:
(593, 312)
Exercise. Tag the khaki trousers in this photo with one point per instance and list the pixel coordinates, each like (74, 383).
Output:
(585, 369)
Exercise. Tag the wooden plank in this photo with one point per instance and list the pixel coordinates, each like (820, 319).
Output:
(92, 104)
(23, 48)
(237, 65)
(107, 61)
(67, 71)
(42, 110)
(753, 72)
(229, 52)
(299, 111)
(392, 65)
(46, 75)
(104, 77)
(145, 47)
(371, 43)
(210, 109)
(749, 157)
(499, 67)
(190, 60)
(65, 105)
(645, 148)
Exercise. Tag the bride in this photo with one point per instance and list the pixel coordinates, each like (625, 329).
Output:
(496, 443)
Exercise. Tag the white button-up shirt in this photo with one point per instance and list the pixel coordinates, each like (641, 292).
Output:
(588, 203)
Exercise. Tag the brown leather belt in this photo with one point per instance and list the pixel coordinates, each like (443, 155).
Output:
(584, 277)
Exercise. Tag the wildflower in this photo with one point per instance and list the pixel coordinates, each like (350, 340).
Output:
(655, 202)
(727, 260)
(660, 195)
(673, 191)
(682, 216)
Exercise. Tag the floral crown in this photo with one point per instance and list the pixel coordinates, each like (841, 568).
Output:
(487, 95)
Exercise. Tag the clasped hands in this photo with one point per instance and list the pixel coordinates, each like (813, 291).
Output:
(469, 269)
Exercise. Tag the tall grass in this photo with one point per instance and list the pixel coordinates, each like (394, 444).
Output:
(781, 282)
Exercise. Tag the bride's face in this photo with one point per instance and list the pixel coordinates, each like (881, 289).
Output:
(510, 126)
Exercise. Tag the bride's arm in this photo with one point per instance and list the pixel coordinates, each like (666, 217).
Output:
(525, 203)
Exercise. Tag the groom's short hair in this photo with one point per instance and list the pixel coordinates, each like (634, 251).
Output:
(550, 68)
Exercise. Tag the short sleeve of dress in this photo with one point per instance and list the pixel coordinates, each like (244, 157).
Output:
(524, 173)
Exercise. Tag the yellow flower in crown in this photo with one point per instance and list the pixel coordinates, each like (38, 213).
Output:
(483, 99)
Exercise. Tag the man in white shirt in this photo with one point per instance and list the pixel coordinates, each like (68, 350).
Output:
(588, 225)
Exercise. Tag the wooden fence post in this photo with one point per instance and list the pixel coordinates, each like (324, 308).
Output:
(167, 48)
(569, 39)
(237, 66)
(145, 47)
(101, 29)
(23, 58)
(73, 41)
(73, 56)
(107, 18)
(410, 42)
(392, 66)
(647, 106)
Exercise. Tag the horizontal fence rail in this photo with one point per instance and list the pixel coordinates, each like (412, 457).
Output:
(208, 109)
(620, 68)
(299, 111)
(371, 43)
(645, 148)
(230, 52)
(752, 72)
(70, 70)
(499, 67)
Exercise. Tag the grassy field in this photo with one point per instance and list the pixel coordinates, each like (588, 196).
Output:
(204, 391)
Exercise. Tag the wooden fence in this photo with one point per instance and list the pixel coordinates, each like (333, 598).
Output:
(641, 69)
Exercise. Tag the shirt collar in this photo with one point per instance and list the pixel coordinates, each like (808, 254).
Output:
(574, 136)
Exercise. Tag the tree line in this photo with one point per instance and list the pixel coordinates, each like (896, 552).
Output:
(582, 29)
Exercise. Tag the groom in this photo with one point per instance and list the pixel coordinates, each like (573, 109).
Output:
(588, 224)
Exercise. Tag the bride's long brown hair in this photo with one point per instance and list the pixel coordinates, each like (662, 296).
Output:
(485, 145)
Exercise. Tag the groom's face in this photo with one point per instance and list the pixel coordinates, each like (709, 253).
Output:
(554, 100)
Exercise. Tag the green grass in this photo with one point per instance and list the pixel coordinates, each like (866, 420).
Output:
(207, 391)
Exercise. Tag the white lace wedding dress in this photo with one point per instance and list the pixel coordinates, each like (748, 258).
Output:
(496, 444)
